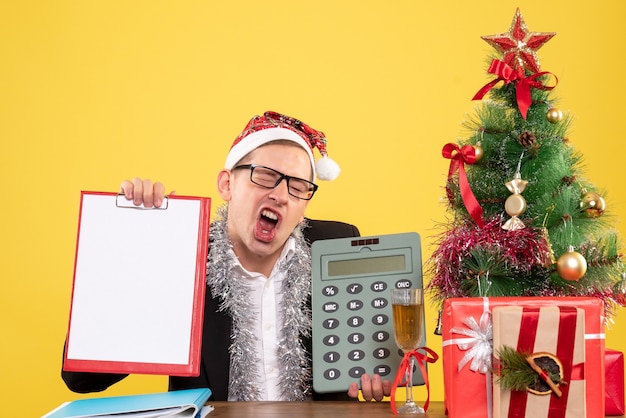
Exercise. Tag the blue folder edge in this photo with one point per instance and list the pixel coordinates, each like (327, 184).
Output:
(187, 399)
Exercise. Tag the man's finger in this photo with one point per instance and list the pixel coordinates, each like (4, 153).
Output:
(353, 390)
(159, 194)
(387, 387)
(148, 193)
(377, 388)
(366, 387)
(126, 188)
(137, 191)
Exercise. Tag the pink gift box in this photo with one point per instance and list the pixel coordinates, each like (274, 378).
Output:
(468, 393)
(614, 382)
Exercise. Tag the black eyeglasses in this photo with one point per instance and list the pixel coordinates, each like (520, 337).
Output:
(270, 179)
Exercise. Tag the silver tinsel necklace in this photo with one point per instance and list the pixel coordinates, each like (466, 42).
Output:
(227, 283)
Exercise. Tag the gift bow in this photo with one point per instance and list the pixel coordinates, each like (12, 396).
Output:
(478, 345)
(522, 89)
(458, 157)
(422, 359)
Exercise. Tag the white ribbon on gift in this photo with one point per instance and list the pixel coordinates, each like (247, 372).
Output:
(478, 345)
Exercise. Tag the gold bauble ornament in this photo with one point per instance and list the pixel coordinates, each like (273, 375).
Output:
(554, 115)
(593, 204)
(571, 265)
(478, 151)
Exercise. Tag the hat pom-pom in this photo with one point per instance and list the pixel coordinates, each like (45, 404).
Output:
(326, 168)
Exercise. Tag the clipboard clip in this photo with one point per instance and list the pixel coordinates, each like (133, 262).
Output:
(122, 202)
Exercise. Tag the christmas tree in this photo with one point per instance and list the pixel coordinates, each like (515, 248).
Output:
(525, 220)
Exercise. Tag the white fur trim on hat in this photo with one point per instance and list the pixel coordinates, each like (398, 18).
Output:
(253, 141)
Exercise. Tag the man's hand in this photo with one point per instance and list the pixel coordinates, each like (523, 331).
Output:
(373, 388)
(143, 191)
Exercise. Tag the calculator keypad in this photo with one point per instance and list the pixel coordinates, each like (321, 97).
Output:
(361, 331)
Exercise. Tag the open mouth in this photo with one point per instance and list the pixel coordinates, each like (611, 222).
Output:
(269, 217)
(266, 226)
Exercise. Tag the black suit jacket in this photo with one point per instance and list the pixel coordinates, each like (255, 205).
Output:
(215, 362)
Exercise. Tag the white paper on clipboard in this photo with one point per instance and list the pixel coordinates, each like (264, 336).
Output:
(139, 284)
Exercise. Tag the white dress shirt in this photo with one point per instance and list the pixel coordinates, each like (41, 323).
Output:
(266, 298)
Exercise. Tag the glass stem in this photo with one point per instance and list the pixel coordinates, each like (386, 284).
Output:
(409, 381)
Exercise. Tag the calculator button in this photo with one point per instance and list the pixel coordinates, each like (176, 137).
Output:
(331, 357)
(379, 303)
(380, 336)
(330, 290)
(355, 305)
(330, 307)
(356, 338)
(403, 284)
(331, 340)
(378, 286)
(354, 288)
(332, 374)
(330, 323)
(355, 321)
(381, 319)
(382, 370)
(381, 353)
(356, 372)
(356, 355)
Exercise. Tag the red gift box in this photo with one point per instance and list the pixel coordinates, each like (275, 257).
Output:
(468, 392)
(614, 382)
(553, 330)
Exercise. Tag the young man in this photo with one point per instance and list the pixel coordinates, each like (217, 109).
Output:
(257, 323)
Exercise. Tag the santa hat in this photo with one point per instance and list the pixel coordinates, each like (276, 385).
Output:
(274, 126)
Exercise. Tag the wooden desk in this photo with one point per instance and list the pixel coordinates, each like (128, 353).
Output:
(313, 410)
(318, 409)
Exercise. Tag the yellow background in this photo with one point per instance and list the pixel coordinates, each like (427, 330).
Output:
(92, 92)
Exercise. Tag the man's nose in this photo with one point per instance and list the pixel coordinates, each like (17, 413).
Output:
(281, 191)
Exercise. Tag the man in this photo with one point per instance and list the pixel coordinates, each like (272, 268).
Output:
(257, 323)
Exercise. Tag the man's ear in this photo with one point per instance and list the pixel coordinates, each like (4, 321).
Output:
(224, 178)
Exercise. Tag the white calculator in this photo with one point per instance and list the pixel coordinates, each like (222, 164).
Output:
(352, 280)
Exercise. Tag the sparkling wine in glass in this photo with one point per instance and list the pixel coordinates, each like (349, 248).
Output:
(408, 312)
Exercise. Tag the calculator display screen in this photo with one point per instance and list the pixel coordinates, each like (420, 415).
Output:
(371, 265)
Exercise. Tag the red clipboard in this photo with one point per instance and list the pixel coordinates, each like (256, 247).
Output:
(139, 284)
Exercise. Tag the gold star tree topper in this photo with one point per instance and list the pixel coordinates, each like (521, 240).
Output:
(519, 46)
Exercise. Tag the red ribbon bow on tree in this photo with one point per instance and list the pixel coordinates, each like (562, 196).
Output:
(458, 157)
(421, 360)
(523, 84)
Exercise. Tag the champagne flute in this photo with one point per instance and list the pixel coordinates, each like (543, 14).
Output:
(408, 311)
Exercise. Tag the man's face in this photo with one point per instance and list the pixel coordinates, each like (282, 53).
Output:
(260, 220)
